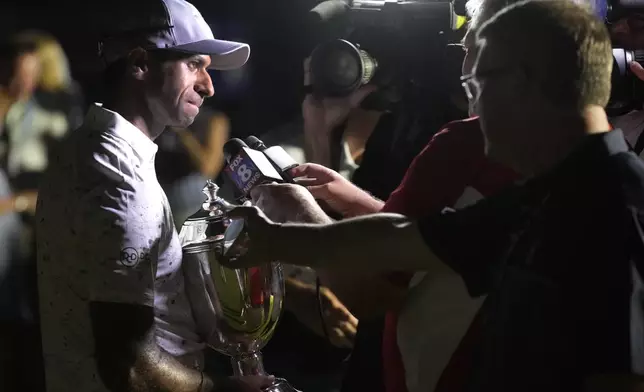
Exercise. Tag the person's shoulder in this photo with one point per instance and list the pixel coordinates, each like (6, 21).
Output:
(468, 129)
(90, 157)
(458, 138)
(110, 155)
(87, 160)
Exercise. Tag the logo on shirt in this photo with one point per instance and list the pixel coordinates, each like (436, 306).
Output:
(129, 257)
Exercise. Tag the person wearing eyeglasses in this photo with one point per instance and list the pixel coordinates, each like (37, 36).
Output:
(428, 325)
(427, 317)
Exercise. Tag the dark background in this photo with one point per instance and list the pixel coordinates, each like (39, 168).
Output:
(263, 95)
(266, 92)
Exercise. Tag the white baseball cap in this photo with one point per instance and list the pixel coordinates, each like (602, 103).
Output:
(179, 27)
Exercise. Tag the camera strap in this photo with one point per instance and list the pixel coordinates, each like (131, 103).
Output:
(639, 145)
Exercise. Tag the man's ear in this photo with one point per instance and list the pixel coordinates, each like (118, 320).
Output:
(138, 63)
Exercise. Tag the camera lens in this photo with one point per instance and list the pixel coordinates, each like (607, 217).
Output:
(338, 68)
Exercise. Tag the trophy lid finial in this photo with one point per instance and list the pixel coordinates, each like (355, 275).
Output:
(214, 203)
(210, 190)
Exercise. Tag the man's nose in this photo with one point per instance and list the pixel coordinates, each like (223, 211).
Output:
(204, 86)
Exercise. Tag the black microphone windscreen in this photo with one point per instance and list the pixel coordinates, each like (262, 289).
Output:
(255, 143)
(232, 148)
(328, 10)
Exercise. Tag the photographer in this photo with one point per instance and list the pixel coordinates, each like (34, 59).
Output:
(391, 138)
(451, 171)
(323, 116)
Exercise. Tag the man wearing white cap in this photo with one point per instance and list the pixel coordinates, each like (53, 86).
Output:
(114, 311)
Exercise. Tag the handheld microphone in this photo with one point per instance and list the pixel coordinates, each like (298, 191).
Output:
(247, 167)
(283, 162)
(280, 159)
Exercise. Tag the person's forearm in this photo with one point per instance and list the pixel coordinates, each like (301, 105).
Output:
(153, 370)
(367, 205)
(314, 215)
(293, 287)
(159, 371)
(380, 242)
(6, 206)
(317, 145)
(18, 203)
(196, 152)
(129, 359)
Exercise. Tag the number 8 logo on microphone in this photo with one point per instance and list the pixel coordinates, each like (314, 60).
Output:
(244, 173)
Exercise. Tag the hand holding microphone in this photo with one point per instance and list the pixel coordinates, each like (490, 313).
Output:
(288, 169)
(336, 191)
(251, 164)
(288, 203)
(284, 202)
(292, 203)
(260, 175)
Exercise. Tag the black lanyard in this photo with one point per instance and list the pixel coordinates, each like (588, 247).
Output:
(639, 145)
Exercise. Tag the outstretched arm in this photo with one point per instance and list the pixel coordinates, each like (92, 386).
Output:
(365, 243)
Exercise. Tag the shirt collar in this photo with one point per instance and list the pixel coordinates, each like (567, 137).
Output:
(596, 147)
(583, 162)
(104, 119)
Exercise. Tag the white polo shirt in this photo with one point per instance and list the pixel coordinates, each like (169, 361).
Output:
(105, 233)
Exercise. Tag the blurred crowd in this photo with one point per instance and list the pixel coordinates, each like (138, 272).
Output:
(40, 104)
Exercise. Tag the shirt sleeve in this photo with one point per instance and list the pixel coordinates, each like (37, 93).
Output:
(474, 241)
(117, 240)
(439, 175)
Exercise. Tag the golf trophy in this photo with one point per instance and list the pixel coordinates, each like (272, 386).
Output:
(236, 310)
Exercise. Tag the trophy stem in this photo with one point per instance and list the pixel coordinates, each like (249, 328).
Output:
(248, 365)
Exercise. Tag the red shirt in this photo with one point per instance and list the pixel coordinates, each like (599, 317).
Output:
(452, 161)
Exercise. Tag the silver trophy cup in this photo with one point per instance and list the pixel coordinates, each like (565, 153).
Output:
(236, 310)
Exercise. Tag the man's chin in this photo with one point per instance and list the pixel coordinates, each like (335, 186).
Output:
(185, 121)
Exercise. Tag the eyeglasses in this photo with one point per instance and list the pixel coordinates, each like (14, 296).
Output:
(471, 87)
(458, 45)
(471, 82)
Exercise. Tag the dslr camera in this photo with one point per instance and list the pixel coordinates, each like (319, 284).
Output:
(389, 43)
(627, 91)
